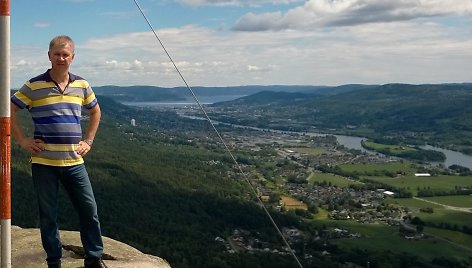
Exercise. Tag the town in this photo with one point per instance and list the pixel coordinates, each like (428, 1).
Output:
(348, 197)
(283, 167)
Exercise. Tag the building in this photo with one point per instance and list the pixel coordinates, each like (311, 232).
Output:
(422, 175)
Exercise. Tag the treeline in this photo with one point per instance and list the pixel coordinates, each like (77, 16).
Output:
(463, 171)
(453, 227)
(466, 229)
(457, 191)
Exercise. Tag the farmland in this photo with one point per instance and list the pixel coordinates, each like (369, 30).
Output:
(380, 238)
(399, 167)
(436, 183)
(332, 179)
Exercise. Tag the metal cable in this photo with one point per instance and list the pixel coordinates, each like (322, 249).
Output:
(220, 137)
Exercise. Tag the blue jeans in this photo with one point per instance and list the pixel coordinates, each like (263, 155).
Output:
(77, 184)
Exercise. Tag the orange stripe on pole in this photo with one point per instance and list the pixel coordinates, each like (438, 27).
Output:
(5, 162)
(4, 7)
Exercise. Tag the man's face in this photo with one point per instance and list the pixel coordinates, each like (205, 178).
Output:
(61, 56)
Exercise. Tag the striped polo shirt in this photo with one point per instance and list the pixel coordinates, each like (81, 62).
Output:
(56, 116)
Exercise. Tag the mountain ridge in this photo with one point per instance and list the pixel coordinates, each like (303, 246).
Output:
(434, 113)
(156, 93)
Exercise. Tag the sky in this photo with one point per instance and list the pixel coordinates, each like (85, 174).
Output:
(248, 42)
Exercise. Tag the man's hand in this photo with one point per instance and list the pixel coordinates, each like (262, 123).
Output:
(83, 149)
(32, 145)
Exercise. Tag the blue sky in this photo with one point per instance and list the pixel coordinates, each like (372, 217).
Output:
(248, 42)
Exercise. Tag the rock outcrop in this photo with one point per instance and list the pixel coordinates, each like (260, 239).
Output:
(27, 252)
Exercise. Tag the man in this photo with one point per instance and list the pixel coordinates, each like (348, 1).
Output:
(55, 100)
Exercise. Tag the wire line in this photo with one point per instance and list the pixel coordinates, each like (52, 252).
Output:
(219, 136)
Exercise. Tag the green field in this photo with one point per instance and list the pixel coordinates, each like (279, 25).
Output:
(331, 178)
(452, 236)
(440, 214)
(394, 149)
(451, 217)
(405, 167)
(322, 214)
(411, 203)
(377, 237)
(462, 201)
(438, 183)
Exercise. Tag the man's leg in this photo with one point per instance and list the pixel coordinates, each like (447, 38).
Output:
(46, 184)
(77, 184)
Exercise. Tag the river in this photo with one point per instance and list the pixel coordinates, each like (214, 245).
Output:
(452, 157)
(351, 142)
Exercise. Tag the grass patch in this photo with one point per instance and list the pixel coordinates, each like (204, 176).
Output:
(453, 218)
(412, 204)
(437, 183)
(452, 236)
(377, 237)
(393, 149)
(440, 215)
(462, 201)
(398, 167)
(331, 178)
(322, 214)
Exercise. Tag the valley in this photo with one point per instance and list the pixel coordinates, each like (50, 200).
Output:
(344, 188)
(166, 185)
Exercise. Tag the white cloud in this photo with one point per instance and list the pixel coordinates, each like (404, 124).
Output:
(235, 2)
(373, 53)
(410, 51)
(320, 13)
(41, 24)
(254, 68)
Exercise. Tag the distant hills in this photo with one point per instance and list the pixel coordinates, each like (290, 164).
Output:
(165, 188)
(438, 114)
(153, 93)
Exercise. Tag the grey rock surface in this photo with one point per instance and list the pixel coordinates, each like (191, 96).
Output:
(27, 252)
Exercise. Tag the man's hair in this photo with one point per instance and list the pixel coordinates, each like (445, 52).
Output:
(61, 40)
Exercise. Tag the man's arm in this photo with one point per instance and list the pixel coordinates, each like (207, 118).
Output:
(28, 144)
(94, 120)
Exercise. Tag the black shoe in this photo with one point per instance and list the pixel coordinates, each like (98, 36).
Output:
(97, 263)
(54, 265)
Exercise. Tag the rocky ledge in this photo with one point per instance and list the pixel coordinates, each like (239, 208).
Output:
(27, 252)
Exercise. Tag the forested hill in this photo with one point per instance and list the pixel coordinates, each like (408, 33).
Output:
(153, 93)
(269, 98)
(440, 112)
(159, 189)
